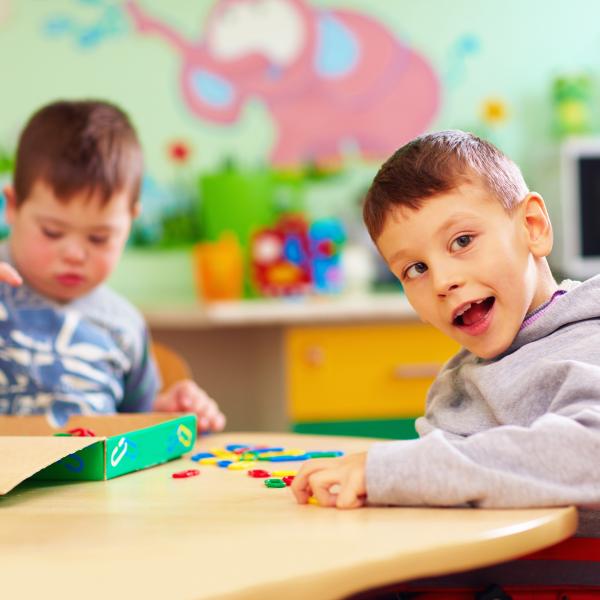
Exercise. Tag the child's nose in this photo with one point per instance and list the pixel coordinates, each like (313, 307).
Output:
(447, 282)
(73, 252)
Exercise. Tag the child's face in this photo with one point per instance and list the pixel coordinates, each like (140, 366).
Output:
(467, 266)
(64, 250)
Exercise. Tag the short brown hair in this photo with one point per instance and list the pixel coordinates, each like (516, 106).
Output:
(79, 146)
(437, 163)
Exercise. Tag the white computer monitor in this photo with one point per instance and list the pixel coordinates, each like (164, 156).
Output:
(580, 204)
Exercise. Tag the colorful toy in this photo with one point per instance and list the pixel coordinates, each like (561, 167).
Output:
(274, 483)
(81, 432)
(259, 473)
(292, 258)
(248, 454)
(186, 474)
(200, 455)
(280, 258)
(237, 456)
(326, 239)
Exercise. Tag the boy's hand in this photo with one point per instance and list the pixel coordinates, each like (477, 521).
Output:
(186, 396)
(346, 475)
(8, 274)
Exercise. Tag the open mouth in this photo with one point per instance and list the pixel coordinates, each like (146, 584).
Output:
(474, 312)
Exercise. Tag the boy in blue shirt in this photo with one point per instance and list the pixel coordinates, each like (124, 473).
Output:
(513, 420)
(68, 344)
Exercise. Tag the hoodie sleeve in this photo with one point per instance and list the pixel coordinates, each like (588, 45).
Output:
(552, 461)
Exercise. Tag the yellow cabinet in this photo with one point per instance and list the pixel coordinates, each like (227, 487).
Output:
(338, 373)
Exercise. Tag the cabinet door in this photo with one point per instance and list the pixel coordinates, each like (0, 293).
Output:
(362, 372)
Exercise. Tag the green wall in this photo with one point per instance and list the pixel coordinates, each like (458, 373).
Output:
(482, 51)
(522, 46)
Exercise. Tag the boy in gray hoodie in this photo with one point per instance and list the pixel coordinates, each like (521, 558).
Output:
(513, 420)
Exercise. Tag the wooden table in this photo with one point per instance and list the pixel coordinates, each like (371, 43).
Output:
(224, 535)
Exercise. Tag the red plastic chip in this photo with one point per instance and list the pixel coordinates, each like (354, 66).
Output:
(184, 474)
(82, 432)
(260, 473)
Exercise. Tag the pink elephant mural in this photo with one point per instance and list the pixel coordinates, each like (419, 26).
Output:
(332, 80)
(4, 11)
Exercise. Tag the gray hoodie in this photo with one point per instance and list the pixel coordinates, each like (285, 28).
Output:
(520, 430)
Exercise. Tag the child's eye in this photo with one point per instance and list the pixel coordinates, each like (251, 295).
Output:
(415, 270)
(98, 239)
(462, 241)
(53, 234)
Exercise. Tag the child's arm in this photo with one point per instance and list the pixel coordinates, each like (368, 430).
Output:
(186, 396)
(338, 482)
(551, 462)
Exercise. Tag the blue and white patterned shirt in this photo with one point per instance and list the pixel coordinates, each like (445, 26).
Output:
(88, 356)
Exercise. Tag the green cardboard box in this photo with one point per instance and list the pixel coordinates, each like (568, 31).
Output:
(123, 443)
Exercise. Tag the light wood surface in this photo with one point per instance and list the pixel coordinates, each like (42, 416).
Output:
(364, 308)
(224, 535)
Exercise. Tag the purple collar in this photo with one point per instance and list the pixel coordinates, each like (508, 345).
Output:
(537, 313)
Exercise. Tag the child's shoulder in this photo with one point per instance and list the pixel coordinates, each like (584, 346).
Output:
(110, 307)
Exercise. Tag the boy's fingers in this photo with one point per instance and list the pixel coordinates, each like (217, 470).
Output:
(303, 481)
(210, 407)
(9, 274)
(205, 407)
(322, 483)
(210, 418)
(191, 397)
(350, 499)
(300, 486)
(218, 422)
(352, 493)
(333, 482)
(166, 402)
(301, 490)
(185, 402)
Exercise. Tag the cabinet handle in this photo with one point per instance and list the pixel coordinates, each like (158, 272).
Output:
(314, 356)
(417, 371)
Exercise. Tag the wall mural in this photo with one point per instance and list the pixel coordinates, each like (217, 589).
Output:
(342, 91)
(333, 81)
(228, 94)
(464, 48)
(109, 22)
(4, 11)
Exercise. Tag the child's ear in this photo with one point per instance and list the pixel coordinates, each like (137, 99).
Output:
(537, 225)
(11, 203)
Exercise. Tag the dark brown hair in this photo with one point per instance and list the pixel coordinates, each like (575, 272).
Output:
(79, 146)
(437, 163)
